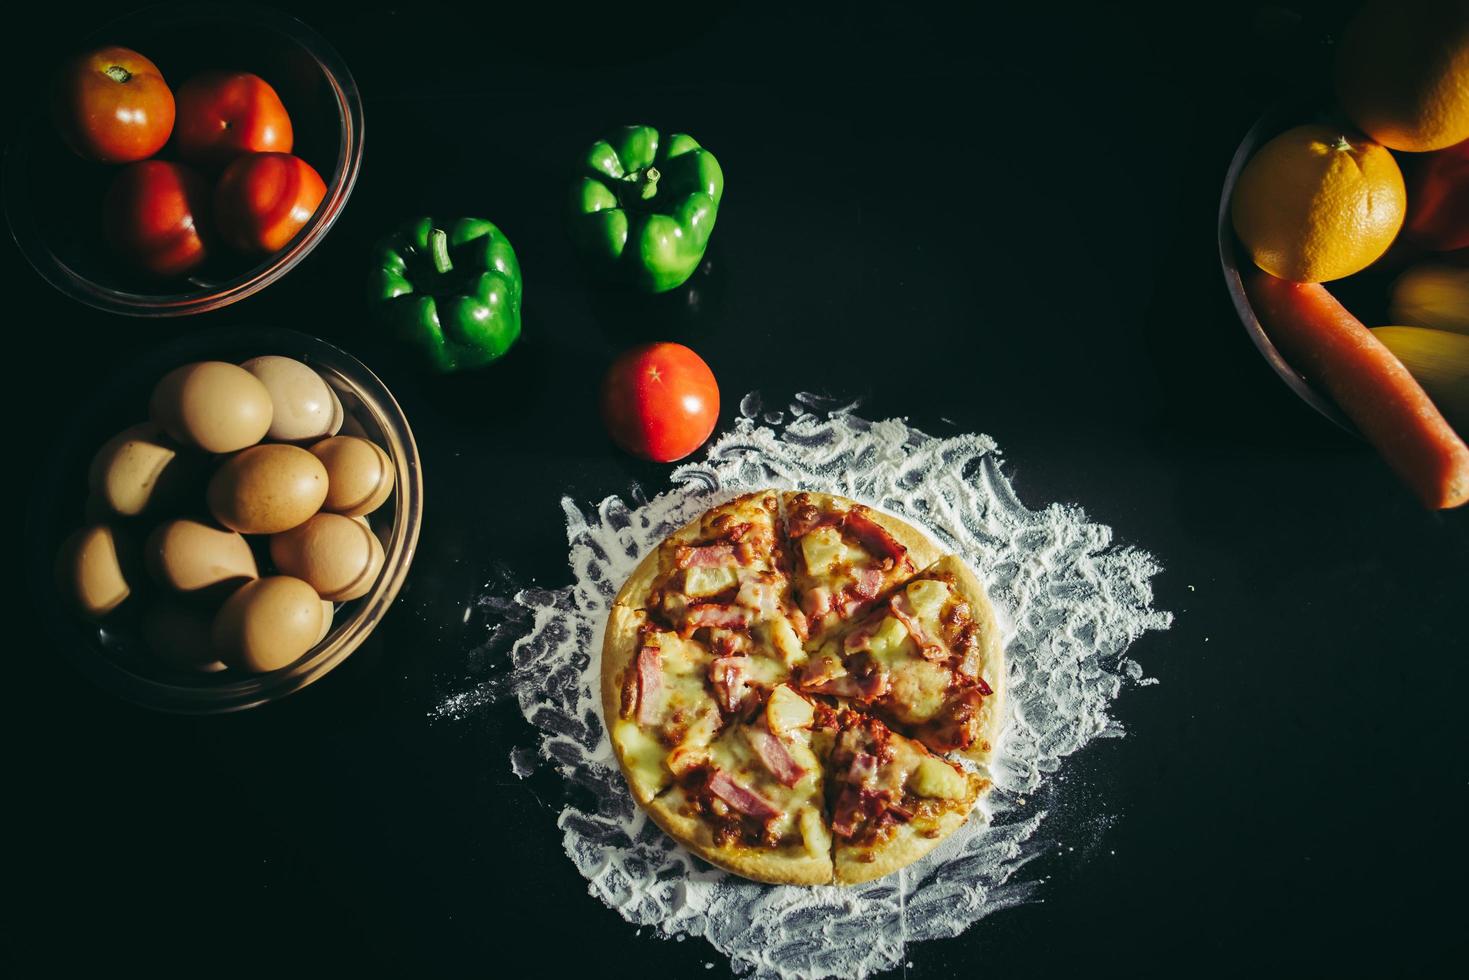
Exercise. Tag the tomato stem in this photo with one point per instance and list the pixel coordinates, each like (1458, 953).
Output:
(117, 73)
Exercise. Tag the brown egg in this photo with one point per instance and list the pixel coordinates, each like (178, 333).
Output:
(267, 624)
(137, 470)
(191, 557)
(180, 634)
(303, 404)
(327, 612)
(335, 555)
(93, 571)
(360, 473)
(219, 407)
(267, 489)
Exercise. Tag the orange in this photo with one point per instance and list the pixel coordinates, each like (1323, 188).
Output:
(1314, 205)
(1402, 73)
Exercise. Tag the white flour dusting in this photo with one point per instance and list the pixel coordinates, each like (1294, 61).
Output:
(1072, 604)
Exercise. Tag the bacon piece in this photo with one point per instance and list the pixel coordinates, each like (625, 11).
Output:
(816, 603)
(727, 643)
(704, 556)
(774, 756)
(984, 688)
(846, 812)
(931, 647)
(731, 682)
(863, 769)
(863, 690)
(641, 686)
(803, 518)
(740, 798)
(873, 536)
(716, 614)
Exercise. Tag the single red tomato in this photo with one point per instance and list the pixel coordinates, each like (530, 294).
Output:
(112, 105)
(660, 401)
(263, 199)
(222, 115)
(152, 217)
(1438, 200)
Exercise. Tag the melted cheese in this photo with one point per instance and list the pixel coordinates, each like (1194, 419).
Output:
(643, 756)
(732, 753)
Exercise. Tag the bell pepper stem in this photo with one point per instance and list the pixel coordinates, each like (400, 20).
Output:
(438, 248)
(649, 183)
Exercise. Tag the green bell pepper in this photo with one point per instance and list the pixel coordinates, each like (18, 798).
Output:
(452, 295)
(642, 208)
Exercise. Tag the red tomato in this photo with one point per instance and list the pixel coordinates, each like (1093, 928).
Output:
(1438, 200)
(152, 217)
(112, 105)
(660, 401)
(263, 199)
(224, 114)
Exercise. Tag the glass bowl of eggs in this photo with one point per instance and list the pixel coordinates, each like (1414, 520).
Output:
(227, 520)
(262, 148)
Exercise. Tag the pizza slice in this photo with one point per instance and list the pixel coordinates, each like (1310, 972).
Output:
(927, 661)
(845, 557)
(891, 800)
(751, 801)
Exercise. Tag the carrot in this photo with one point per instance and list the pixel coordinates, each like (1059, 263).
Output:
(1323, 341)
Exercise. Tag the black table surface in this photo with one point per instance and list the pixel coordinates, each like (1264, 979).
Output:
(1001, 226)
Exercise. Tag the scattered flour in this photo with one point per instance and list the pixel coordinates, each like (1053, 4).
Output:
(1071, 602)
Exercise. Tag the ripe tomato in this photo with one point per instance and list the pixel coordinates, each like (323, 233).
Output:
(224, 114)
(660, 401)
(112, 105)
(153, 214)
(263, 199)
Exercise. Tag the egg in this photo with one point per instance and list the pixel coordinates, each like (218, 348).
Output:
(181, 635)
(192, 557)
(359, 472)
(303, 405)
(327, 612)
(93, 572)
(335, 555)
(267, 624)
(218, 407)
(267, 489)
(139, 469)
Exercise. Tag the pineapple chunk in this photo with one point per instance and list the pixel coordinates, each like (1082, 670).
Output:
(821, 549)
(703, 581)
(783, 637)
(928, 596)
(644, 756)
(814, 834)
(936, 779)
(887, 642)
(786, 711)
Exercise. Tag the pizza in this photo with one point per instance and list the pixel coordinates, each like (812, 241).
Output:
(790, 683)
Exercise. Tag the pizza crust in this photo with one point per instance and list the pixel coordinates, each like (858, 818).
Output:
(619, 647)
(791, 865)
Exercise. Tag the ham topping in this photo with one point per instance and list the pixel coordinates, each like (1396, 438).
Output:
(640, 689)
(867, 582)
(930, 646)
(816, 603)
(731, 682)
(740, 798)
(706, 556)
(716, 614)
(860, 689)
(759, 596)
(774, 756)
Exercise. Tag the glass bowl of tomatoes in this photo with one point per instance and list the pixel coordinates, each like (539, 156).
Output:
(113, 651)
(191, 226)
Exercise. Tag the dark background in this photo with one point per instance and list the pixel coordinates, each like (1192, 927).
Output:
(1005, 223)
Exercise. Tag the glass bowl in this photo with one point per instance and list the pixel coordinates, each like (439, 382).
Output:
(53, 198)
(1232, 253)
(111, 653)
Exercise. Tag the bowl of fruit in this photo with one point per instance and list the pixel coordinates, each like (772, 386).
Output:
(1353, 209)
(227, 520)
(188, 157)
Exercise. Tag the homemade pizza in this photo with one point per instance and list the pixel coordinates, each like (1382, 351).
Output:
(790, 681)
